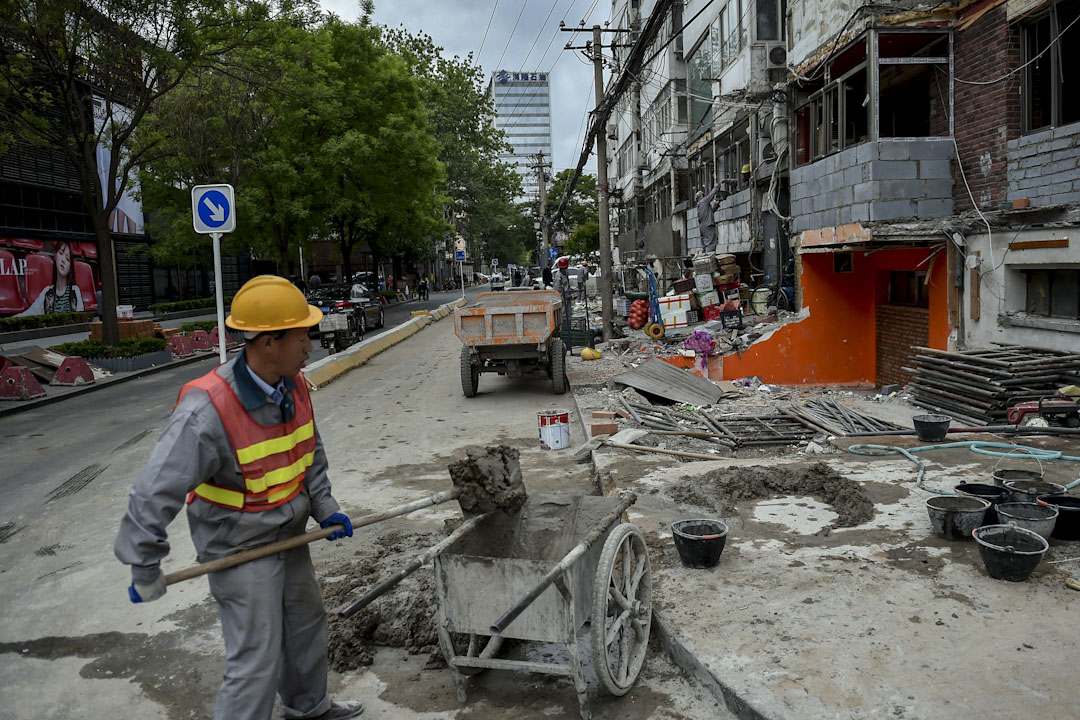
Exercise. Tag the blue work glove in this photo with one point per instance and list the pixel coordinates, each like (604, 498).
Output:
(338, 519)
(145, 592)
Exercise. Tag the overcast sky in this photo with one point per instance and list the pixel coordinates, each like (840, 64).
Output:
(459, 27)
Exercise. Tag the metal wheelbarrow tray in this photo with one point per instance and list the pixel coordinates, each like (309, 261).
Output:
(497, 564)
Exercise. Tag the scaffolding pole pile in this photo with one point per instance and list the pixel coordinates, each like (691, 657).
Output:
(979, 386)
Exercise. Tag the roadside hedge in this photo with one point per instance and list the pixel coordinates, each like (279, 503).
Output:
(128, 347)
(196, 304)
(207, 325)
(11, 324)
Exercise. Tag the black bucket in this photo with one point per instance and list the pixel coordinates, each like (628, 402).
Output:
(1029, 490)
(931, 428)
(699, 542)
(1009, 552)
(953, 517)
(991, 493)
(1068, 522)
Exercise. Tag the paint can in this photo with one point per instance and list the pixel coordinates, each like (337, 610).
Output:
(554, 429)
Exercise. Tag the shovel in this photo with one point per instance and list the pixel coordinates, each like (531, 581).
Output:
(293, 542)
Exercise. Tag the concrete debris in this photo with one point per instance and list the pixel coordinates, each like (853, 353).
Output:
(489, 479)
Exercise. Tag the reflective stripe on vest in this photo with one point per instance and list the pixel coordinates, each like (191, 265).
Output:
(273, 459)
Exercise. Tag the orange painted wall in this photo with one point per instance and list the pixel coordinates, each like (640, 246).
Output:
(835, 345)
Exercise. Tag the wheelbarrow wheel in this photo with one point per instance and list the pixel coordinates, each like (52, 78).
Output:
(622, 609)
(470, 373)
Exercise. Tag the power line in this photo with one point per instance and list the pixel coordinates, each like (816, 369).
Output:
(523, 6)
(490, 18)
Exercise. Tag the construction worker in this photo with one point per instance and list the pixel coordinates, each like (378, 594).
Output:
(560, 283)
(242, 451)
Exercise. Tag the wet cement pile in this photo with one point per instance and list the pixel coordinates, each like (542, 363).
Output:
(721, 489)
(403, 618)
(489, 479)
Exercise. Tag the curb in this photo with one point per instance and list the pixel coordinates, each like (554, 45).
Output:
(325, 371)
(680, 654)
(99, 385)
(38, 333)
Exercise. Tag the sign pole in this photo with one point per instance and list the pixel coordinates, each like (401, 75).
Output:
(220, 295)
(461, 272)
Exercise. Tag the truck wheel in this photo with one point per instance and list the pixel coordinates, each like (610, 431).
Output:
(470, 373)
(557, 365)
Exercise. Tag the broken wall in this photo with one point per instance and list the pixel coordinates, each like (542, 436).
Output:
(987, 116)
(836, 342)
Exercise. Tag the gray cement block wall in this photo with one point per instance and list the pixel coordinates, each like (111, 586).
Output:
(1044, 166)
(875, 181)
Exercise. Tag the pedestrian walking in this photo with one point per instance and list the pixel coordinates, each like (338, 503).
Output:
(242, 452)
(545, 276)
(423, 287)
(560, 283)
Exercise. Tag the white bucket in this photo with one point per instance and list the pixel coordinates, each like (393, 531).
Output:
(554, 429)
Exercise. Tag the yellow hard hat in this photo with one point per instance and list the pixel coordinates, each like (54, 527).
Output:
(269, 302)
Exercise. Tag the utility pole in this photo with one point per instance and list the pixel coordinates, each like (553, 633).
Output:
(607, 302)
(540, 167)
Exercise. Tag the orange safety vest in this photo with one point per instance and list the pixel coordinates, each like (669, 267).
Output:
(273, 458)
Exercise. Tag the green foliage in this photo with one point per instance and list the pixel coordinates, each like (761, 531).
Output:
(127, 347)
(207, 325)
(584, 239)
(11, 324)
(583, 203)
(181, 305)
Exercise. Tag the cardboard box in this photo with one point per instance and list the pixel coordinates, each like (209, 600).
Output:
(724, 280)
(675, 319)
(725, 259)
(711, 312)
(703, 283)
(708, 298)
(730, 269)
(674, 303)
(683, 285)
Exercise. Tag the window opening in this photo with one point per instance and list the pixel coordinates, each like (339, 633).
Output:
(1053, 293)
(768, 19)
(907, 287)
(911, 99)
(1051, 88)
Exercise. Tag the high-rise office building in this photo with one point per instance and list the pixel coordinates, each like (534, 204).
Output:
(523, 112)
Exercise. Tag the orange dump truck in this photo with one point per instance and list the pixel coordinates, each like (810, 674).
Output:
(509, 333)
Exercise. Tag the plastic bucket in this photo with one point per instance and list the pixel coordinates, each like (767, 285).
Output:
(1068, 522)
(699, 541)
(1030, 516)
(991, 493)
(1028, 491)
(1009, 552)
(931, 428)
(1002, 476)
(953, 517)
(554, 429)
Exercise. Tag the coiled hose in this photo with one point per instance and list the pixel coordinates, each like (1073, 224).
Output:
(977, 446)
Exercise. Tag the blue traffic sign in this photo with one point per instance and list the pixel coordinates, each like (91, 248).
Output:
(212, 209)
(459, 255)
(494, 262)
(553, 252)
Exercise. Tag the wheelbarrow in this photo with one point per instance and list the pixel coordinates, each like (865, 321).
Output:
(539, 575)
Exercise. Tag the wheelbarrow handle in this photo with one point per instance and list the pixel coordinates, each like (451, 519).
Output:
(293, 542)
(389, 582)
(568, 560)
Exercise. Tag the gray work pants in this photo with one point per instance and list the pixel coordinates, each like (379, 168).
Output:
(274, 625)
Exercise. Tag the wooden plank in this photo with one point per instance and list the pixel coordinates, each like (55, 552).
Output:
(667, 381)
(976, 303)
(1039, 244)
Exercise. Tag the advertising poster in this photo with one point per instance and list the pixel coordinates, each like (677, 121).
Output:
(42, 277)
(128, 215)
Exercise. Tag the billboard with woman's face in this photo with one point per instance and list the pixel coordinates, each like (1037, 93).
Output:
(42, 277)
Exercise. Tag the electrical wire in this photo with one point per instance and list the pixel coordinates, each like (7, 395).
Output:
(1018, 69)
(490, 18)
(514, 30)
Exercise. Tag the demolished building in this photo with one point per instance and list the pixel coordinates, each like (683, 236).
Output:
(911, 171)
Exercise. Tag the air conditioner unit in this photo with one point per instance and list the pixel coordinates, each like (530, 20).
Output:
(613, 131)
(776, 56)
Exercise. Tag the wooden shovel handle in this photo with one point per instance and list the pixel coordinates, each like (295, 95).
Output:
(249, 555)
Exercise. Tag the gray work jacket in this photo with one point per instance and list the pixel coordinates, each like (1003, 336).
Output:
(194, 449)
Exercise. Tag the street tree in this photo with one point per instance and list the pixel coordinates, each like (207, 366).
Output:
(584, 239)
(582, 206)
(81, 77)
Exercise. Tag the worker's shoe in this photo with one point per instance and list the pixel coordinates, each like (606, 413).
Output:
(342, 710)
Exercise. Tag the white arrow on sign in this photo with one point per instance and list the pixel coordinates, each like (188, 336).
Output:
(217, 212)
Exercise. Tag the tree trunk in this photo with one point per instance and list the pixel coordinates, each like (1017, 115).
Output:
(110, 331)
